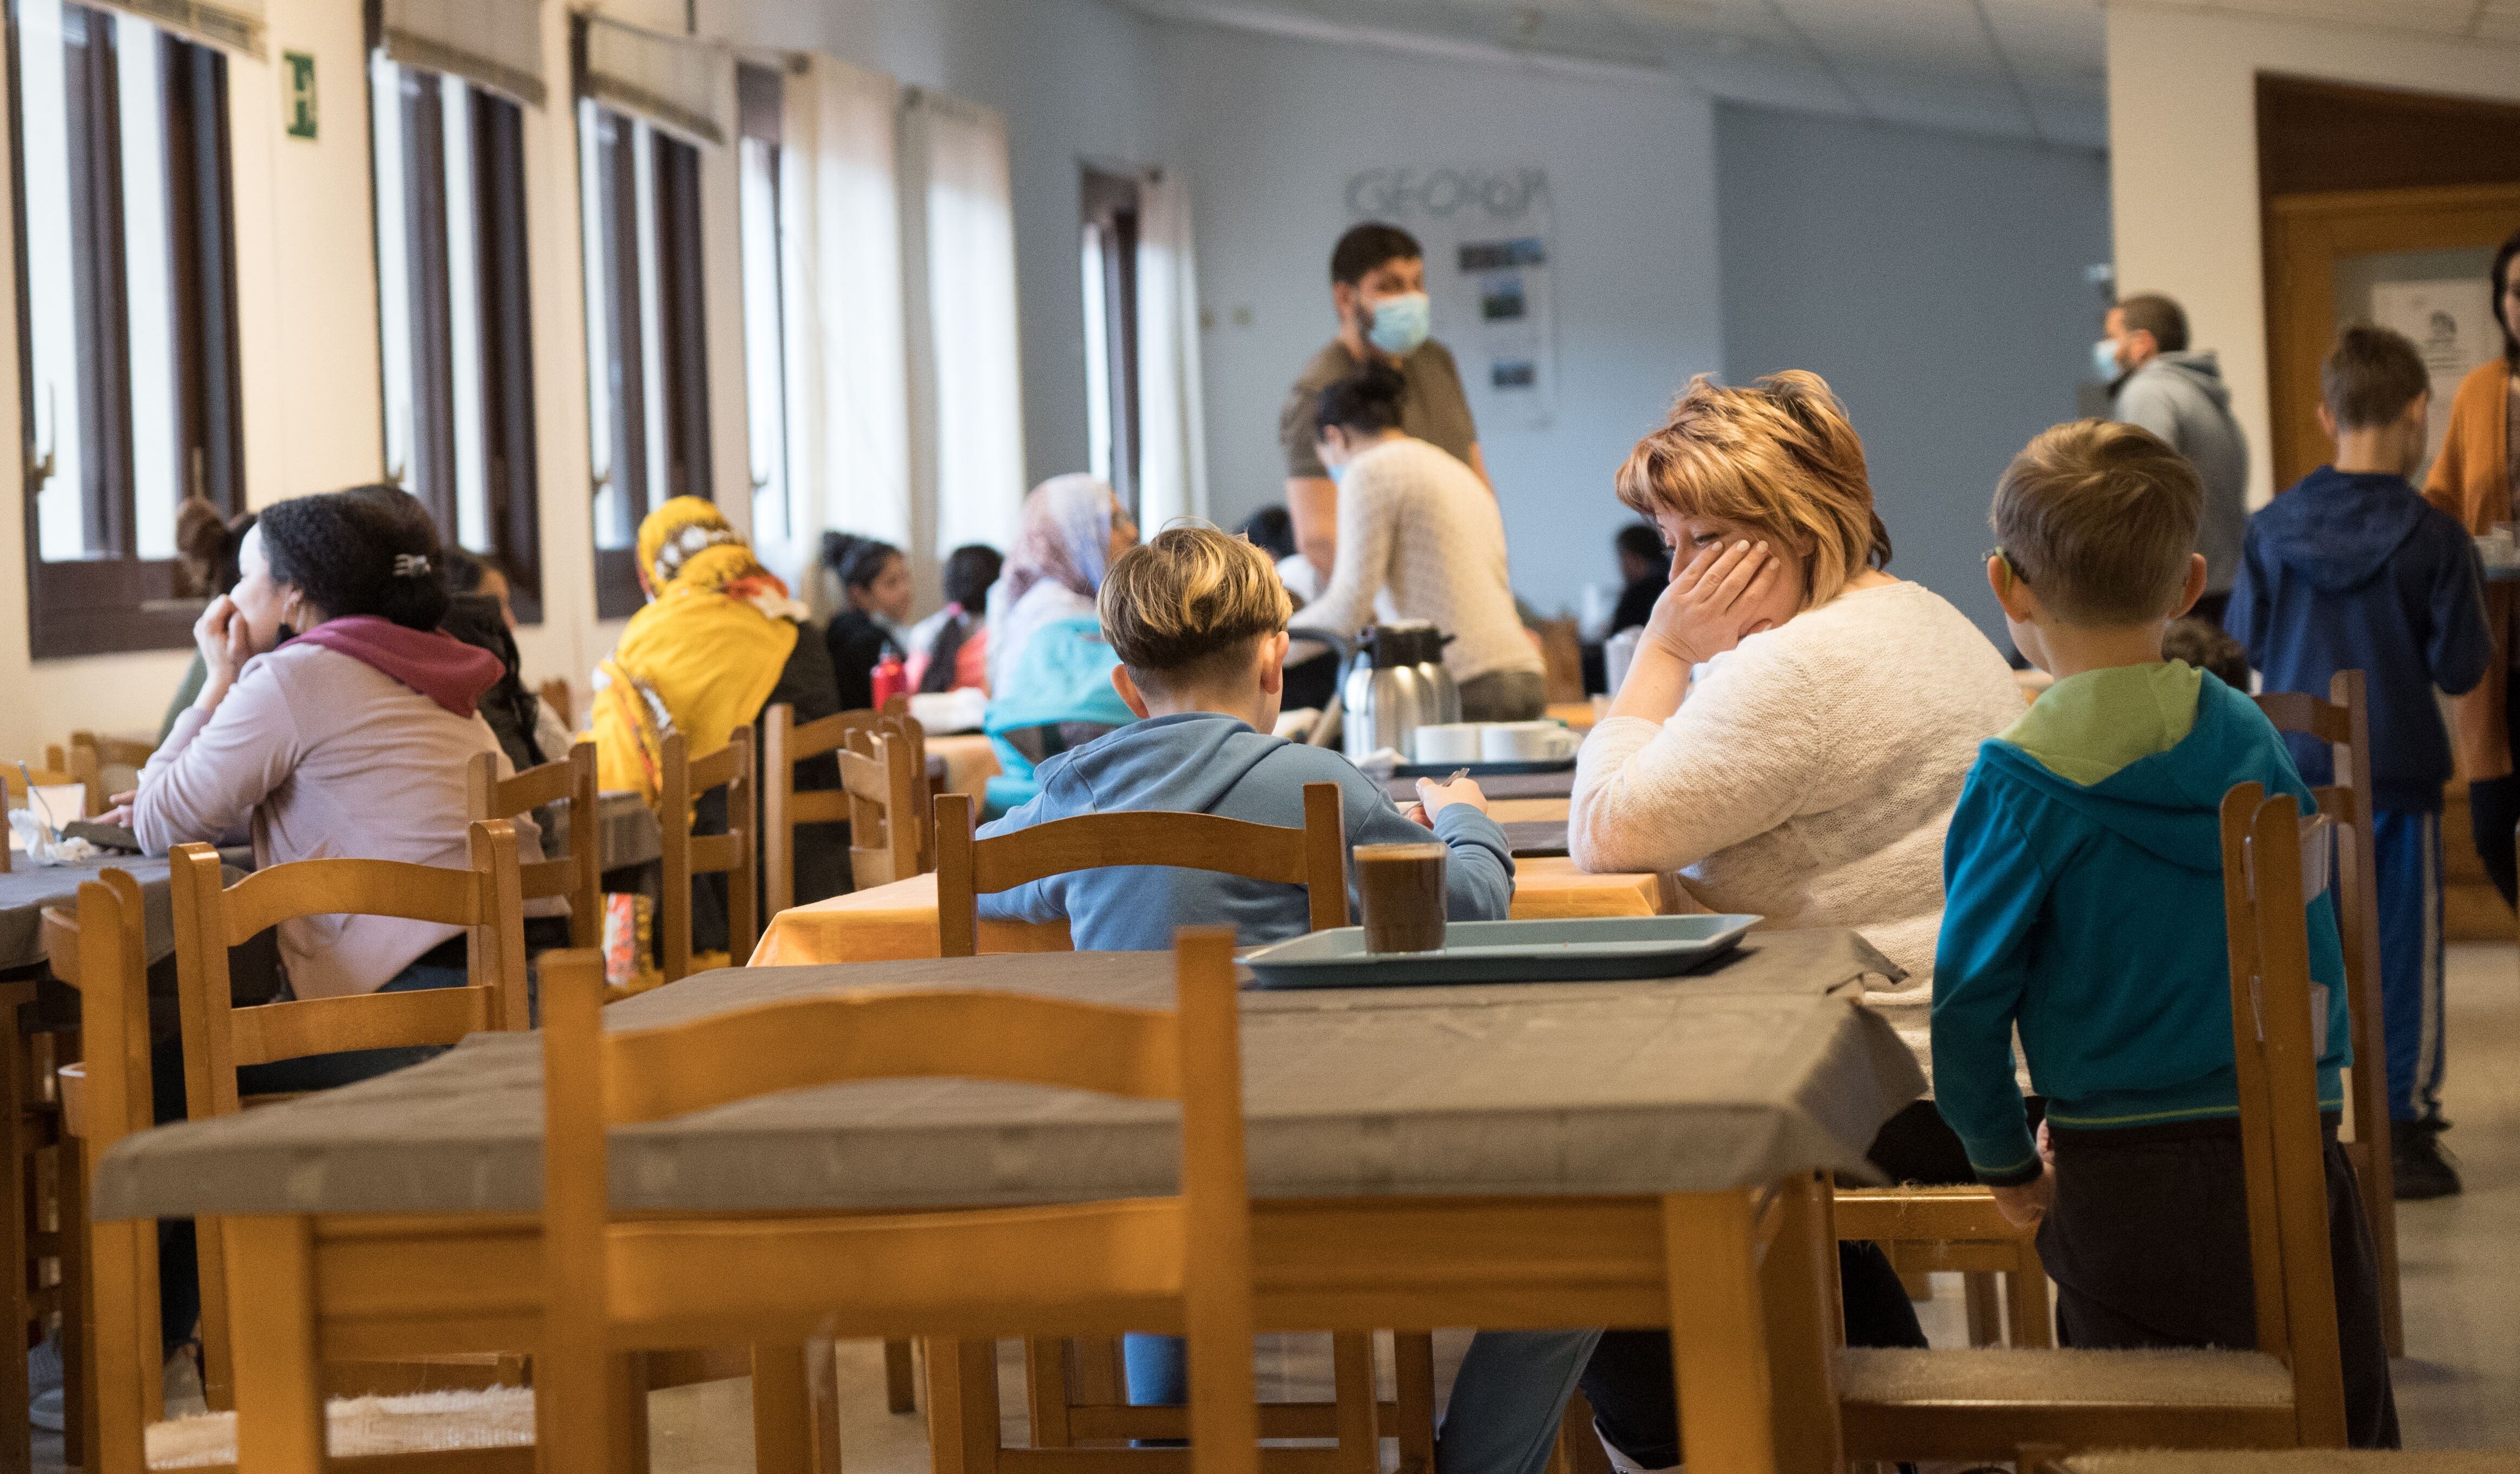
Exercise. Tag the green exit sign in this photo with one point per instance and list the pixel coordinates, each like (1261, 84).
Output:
(297, 68)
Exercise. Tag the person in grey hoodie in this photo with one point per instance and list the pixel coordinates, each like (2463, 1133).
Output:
(2157, 382)
(1198, 620)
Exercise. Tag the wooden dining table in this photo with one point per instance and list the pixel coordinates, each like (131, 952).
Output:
(888, 922)
(1506, 1157)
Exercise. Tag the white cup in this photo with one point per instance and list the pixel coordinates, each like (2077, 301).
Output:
(1447, 742)
(1525, 742)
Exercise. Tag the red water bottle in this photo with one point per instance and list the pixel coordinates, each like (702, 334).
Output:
(891, 678)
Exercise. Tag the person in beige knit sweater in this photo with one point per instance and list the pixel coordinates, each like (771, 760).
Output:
(1420, 525)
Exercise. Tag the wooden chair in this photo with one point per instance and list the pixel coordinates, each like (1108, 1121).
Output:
(784, 744)
(218, 1037)
(1074, 1392)
(884, 791)
(108, 1096)
(579, 874)
(2291, 1461)
(1314, 857)
(91, 754)
(687, 855)
(13, 794)
(2003, 1404)
(2344, 721)
(1958, 1229)
(615, 1285)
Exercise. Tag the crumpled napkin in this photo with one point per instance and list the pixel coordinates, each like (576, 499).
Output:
(36, 840)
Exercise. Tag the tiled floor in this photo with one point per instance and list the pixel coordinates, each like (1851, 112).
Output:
(2460, 1388)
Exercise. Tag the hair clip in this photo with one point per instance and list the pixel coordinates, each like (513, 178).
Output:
(410, 566)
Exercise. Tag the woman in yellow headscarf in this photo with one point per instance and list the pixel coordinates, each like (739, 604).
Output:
(716, 644)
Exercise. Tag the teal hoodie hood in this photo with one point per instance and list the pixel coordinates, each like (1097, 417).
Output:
(2084, 906)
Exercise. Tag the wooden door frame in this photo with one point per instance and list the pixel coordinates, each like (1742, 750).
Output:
(2306, 234)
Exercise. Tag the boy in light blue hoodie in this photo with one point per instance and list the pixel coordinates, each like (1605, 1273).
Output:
(2083, 905)
(1198, 620)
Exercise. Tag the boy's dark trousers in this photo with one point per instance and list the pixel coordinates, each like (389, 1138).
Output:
(2148, 1243)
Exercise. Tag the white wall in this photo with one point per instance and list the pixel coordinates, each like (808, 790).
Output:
(1936, 281)
(2183, 160)
(1269, 131)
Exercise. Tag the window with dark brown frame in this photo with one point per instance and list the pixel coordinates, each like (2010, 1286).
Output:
(1110, 263)
(456, 321)
(126, 320)
(761, 108)
(646, 336)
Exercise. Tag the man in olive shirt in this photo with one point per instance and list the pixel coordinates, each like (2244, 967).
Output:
(1378, 284)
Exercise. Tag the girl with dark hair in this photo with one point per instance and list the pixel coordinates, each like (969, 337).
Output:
(477, 613)
(949, 650)
(874, 580)
(2476, 479)
(334, 721)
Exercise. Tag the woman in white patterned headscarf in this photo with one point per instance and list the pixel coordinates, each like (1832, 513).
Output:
(1074, 526)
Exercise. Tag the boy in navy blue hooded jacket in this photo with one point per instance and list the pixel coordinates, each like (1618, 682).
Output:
(2353, 569)
(2083, 906)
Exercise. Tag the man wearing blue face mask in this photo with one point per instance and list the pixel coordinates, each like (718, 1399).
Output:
(1378, 284)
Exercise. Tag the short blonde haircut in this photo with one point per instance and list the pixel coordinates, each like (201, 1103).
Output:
(1778, 457)
(2100, 519)
(1179, 607)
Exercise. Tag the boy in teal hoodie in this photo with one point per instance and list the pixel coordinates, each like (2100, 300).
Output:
(2084, 907)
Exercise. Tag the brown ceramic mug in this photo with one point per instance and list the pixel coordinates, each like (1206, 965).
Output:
(1402, 886)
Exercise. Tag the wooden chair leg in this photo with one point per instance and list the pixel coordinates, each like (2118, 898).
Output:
(280, 1394)
(1413, 1364)
(16, 1432)
(781, 1432)
(900, 1378)
(78, 1310)
(625, 1387)
(1046, 1395)
(1985, 1308)
(2034, 1324)
(1360, 1403)
(961, 1406)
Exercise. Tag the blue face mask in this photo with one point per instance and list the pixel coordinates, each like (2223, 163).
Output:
(2105, 359)
(1339, 474)
(1401, 324)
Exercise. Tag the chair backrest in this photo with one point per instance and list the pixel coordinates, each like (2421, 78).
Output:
(969, 867)
(884, 791)
(593, 1080)
(685, 779)
(2284, 1156)
(116, 1100)
(210, 918)
(2343, 722)
(92, 754)
(784, 744)
(577, 874)
(218, 1037)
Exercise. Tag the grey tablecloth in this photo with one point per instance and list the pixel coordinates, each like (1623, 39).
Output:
(1760, 1066)
(1536, 838)
(628, 835)
(29, 888)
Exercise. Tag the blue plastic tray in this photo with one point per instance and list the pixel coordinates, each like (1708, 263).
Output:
(1506, 951)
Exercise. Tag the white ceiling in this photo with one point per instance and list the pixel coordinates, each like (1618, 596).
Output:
(2021, 69)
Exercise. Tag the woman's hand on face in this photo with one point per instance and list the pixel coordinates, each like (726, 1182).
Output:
(226, 643)
(1702, 613)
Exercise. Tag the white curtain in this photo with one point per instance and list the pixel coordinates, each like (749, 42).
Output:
(848, 411)
(966, 386)
(1172, 439)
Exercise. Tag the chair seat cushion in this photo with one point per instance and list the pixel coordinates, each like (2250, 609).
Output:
(2064, 1378)
(495, 1417)
(2298, 1462)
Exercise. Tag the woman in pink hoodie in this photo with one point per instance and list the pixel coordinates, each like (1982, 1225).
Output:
(334, 721)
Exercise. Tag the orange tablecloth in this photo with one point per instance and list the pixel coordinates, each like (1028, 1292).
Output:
(1529, 810)
(969, 762)
(890, 923)
(1576, 714)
